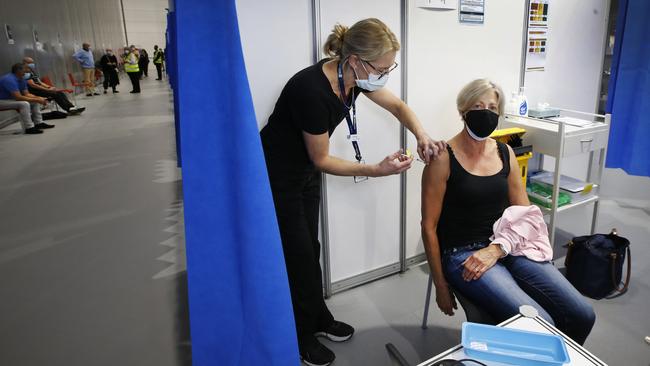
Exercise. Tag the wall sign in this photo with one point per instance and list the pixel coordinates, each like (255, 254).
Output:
(471, 11)
(9, 34)
(37, 42)
(537, 35)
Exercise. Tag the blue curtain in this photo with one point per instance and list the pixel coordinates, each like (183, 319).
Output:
(172, 73)
(629, 90)
(240, 306)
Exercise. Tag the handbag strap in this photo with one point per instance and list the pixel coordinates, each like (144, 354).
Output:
(568, 254)
(626, 284)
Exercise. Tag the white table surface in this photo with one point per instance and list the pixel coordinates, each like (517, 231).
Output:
(577, 354)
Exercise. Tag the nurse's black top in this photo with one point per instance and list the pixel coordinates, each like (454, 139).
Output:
(472, 203)
(307, 103)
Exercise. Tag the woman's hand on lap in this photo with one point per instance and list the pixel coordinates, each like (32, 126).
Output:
(480, 262)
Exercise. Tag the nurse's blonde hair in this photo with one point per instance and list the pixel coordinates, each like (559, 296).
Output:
(472, 92)
(369, 39)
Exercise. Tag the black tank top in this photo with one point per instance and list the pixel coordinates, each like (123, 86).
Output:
(472, 203)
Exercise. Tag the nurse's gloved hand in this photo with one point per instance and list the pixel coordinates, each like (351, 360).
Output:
(394, 163)
(428, 148)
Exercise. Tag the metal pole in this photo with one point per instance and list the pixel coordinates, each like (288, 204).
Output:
(608, 21)
(556, 184)
(324, 223)
(403, 136)
(126, 35)
(524, 46)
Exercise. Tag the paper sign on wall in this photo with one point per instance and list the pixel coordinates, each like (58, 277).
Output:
(471, 11)
(9, 34)
(37, 42)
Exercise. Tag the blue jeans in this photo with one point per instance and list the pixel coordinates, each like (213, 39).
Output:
(516, 281)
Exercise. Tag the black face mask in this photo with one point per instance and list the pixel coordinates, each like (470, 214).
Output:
(481, 123)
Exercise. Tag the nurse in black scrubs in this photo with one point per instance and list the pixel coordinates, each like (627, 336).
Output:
(296, 147)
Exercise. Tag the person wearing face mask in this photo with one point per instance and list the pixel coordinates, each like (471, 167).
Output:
(109, 68)
(464, 193)
(296, 147)
(37, 87)
(15, 95)
(85, 58)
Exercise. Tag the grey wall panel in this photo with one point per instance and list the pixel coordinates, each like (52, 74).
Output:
(61, 25)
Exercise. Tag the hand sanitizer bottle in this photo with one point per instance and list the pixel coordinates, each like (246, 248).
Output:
(513, 104)
(522, 108)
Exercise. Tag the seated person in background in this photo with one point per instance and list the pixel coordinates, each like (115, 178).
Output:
(37, 87)
(464, 193)
(14, 95)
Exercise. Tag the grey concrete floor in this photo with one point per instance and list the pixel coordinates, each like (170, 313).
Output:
(92, 266)
(91, 259)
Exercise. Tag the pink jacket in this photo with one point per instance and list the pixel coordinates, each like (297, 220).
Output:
(521, 230)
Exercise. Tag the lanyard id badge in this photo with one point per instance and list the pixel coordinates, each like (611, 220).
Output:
(352, 123)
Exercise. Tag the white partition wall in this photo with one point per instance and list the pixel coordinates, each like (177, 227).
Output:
(445, 55)
(277, 43)
(364, 218)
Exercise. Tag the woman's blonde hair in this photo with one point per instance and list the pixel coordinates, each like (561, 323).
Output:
(369, 39)
(473, 91)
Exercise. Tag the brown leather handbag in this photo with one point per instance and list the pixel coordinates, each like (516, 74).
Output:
(594, 264)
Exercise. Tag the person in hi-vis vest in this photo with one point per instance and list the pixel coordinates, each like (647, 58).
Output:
(131, 67)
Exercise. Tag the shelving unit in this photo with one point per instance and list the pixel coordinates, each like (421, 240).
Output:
(561, 140)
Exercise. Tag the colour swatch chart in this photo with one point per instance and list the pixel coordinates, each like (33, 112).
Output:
(537, 44)
(538, 13)
(536, 55)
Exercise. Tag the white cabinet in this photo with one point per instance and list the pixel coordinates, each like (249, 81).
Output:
(561, 140)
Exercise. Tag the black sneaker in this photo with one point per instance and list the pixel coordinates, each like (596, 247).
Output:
(314, 353)
(89, 95)
(115, 91)
(43, 126)
(33, 131)
(77, 109)
(96, 93)
(105, 91)
(336, 332)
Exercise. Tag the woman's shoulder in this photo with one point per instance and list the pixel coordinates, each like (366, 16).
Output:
(309, 82)
(438, 166)
(308, 74)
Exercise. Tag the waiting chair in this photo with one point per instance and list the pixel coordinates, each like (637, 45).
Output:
(472, 312)
(5, 123)
(75, 84)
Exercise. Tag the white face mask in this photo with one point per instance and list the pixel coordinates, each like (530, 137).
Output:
(373, 82)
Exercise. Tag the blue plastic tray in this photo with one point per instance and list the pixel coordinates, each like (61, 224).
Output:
(517, 347)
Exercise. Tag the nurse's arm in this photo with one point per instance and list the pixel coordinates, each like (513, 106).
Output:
(427, 147)
(318, 147)
(387, 100)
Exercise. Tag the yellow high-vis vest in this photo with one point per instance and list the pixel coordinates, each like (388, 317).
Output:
(128, 67)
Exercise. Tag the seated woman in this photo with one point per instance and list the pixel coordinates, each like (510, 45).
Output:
(463, 193)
